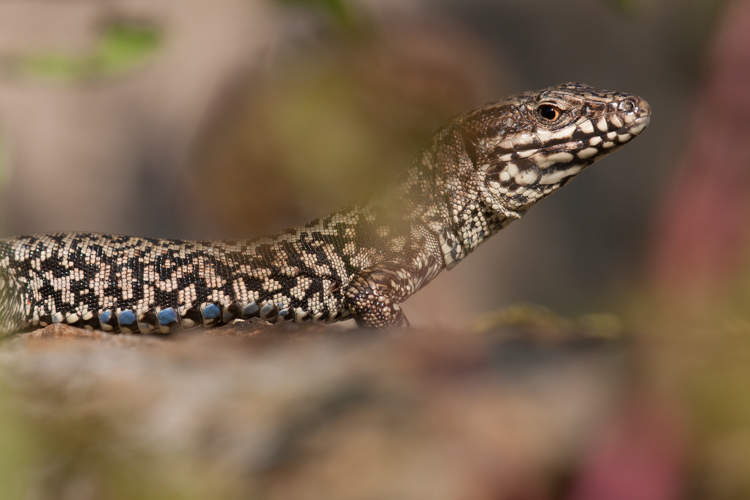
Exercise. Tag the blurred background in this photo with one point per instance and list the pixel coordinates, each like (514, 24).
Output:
(205, 119)
(234, 118)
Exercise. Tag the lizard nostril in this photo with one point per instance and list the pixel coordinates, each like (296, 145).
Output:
(627, 105)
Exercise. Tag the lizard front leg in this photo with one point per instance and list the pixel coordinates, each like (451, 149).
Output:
(374, 294)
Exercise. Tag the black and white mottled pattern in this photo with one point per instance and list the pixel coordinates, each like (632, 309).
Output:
(480, 172)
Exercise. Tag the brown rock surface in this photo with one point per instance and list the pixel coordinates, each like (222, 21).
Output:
(284, 412)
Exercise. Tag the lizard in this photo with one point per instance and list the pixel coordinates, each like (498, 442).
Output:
(481, 171)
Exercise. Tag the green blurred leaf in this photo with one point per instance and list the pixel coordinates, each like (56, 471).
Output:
(121, 48)
(52, 67)
(337, 8)
(124, 46)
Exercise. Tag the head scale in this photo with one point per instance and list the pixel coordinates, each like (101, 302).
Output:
(527, 146)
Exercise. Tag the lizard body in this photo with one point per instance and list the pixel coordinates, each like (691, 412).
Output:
(481, 171)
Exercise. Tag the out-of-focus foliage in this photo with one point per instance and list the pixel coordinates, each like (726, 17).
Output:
(332, 123)
(545, 322)
(120, 48)
(18, 451)
(340, 9)
(709, 370)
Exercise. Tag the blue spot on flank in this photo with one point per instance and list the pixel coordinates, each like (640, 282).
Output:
(167, 316)
(105, 316)
(126, 318)
(211, 311)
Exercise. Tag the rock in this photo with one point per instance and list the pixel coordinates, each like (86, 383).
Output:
(311, 413)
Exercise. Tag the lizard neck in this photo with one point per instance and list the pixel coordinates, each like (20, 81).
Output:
(443, 190)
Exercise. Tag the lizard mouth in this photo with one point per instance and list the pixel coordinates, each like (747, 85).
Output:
(602, 136)
(564, 161)
(524, 176)
(628, 130)
(638, 125)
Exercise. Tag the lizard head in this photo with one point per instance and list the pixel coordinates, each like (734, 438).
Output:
(527, 146)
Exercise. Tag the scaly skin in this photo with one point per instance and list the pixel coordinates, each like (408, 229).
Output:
(481, 171)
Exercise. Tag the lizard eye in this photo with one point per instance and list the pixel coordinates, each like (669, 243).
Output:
(549, 112)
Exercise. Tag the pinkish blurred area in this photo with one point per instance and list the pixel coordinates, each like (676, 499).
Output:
(701, 238)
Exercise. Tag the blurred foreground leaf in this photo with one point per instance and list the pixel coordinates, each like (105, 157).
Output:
(121, 48)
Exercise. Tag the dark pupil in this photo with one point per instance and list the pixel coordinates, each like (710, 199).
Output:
(548, 113)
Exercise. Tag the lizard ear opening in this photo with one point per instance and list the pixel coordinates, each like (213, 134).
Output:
(470, 146)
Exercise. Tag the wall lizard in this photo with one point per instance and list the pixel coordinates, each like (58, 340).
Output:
(480, 172)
